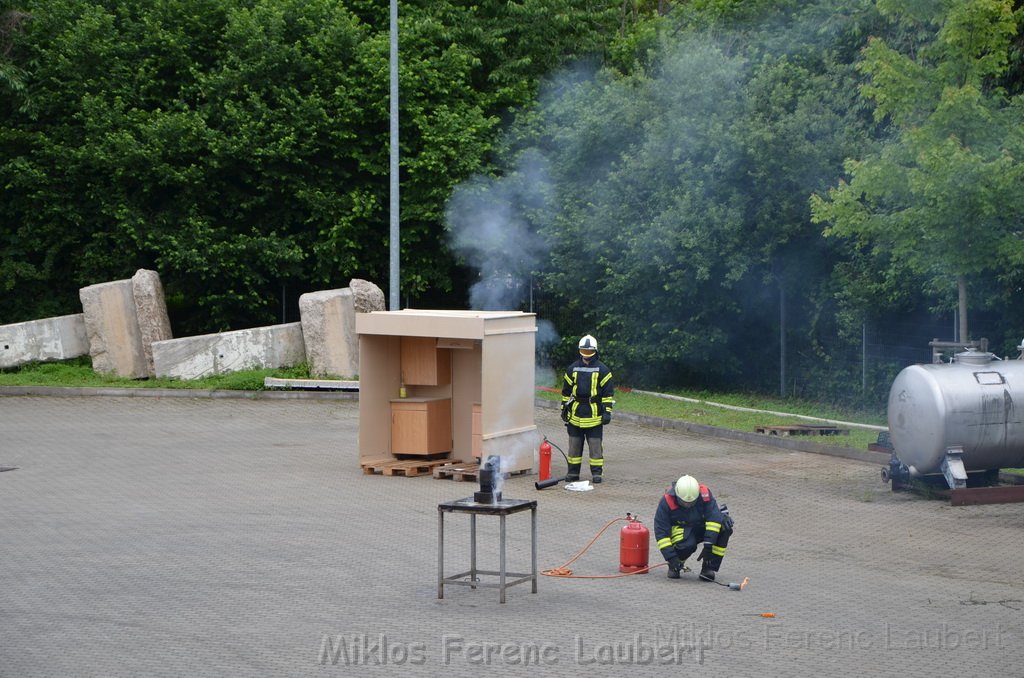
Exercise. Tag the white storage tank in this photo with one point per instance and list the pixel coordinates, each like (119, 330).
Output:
(975, 403)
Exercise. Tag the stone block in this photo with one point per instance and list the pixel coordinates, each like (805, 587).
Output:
(150, 312)
(122, 320)
(211, 354)
(111, 324)
(329, 332)
(59, 338)
(366, 296)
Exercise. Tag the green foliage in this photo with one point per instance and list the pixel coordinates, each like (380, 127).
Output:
(75, 372)
(651, 220)
(78, 373)
(240, 147)
(941, 197)
(730, 411)
(12, 78)
(680, 200)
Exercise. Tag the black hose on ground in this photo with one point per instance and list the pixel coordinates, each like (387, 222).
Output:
(550, 482)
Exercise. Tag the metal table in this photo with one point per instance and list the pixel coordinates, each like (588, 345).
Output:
(501, 508)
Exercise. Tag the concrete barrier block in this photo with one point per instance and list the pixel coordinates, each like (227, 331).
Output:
(210, 354)
(111, 324)
(58, 338)
(150, 312)
(328, 320)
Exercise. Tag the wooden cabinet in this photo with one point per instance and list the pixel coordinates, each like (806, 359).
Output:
(421, 425)
(424, 364)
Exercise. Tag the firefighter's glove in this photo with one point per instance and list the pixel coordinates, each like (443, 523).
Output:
(705, 553)
(565, 413)
(606, 418)
(675, 564)
(728, 521)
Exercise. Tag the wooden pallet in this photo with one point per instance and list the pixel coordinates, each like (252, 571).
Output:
(457, 471)
(803, 430)
(403, 467)
(464, 471)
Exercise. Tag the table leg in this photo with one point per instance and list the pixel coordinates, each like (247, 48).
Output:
(440, 553)
(533, 546)
(501, 569)
(472, 548)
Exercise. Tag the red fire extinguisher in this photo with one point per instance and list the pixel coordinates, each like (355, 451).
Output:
(545, 460)
(634, 545)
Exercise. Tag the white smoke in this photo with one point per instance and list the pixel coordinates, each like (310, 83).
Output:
(490, 222)
(518, 447)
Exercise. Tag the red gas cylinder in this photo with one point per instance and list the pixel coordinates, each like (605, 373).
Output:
(545, 460)
(634, 546)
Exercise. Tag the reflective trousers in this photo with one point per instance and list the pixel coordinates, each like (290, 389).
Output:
(595, 448)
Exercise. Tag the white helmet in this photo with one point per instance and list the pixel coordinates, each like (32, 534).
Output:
(588, 346)
(687, 489)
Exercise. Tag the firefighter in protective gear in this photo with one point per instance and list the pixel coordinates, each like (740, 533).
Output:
(688, 516)
(587, 402)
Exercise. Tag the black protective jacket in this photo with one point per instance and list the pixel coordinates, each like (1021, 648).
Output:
(677, 527)
(588, 390)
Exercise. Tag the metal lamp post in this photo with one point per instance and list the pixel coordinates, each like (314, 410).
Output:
(395, 242)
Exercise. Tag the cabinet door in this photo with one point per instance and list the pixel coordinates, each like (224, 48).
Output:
(409, 430)
(424, 364)
(421, 427)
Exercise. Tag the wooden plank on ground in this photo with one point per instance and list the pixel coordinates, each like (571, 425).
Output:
(803, 430)
(312, 384)
(1000, 494)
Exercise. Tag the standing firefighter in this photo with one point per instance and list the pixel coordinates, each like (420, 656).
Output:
(587, 402)
(688, 515)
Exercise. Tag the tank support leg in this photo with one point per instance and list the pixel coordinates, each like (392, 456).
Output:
(953, 468)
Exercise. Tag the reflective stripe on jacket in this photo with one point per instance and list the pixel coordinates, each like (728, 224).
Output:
(675, 524)
(590, 389)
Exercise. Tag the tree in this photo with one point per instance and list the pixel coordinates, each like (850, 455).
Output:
(11, 21)
(240, 147)
(942, 195)
(678, 198)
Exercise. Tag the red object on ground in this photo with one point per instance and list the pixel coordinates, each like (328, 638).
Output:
(634, 546)
(545, 460)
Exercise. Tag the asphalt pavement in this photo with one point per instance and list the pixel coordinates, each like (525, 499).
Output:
(199, 536)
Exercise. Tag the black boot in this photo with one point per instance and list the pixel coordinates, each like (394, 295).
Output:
(675, 566)
(707, 574)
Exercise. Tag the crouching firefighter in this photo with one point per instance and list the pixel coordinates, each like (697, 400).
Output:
(688, 516)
